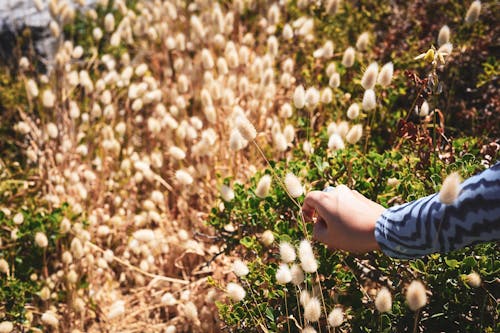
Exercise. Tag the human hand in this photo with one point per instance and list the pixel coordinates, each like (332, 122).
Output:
(346, 219)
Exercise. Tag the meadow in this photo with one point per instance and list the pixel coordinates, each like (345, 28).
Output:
(152, 172)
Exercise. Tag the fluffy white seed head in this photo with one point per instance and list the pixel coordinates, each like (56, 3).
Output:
(41, 239)
(206, 59)
(336, 317)
(349, 57)
(279, 142)
(305, 296)
(450, 189)
(363, 41)
(383, 301)
(370, 76)
(416, 295)
(6, 327)
(334, 80)
(48, 99)
(168, 299)
(306, 257)
(293, 185)
(18, 218)
(385, 75)
(473, 279)
(144, 235)
(240, 268)
(353, 111)
(109, 22)
(326, 96)
(235, 291)
(297, 274)
(287, 252)
(177, 153)
(335, 142)
(4, 266)
(246, 128)
(283, 274)
(226, 193)
(299, 99)
(236, 141)
(263, 186)
(444, 35)
(312, 310)
(308, 329)
(116, 309)
(473, 12)
(331, 68)
(183, 177)
(267, 238)
(354, 134)
(49, 318)
(369, 100)
(287, 32)
(32, 88)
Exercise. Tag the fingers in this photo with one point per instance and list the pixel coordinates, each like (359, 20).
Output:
(316, 201)
(320, 231)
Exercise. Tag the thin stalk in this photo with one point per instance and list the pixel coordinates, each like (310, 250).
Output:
(416, 321)
(298, 305)
(254, 299)
(286, 311)
(282, 185)
(323, 301)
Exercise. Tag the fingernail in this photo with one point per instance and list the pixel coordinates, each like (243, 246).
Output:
(329, 189)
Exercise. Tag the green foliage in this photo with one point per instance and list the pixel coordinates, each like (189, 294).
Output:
(403, 158)
(29, 264)
(452, 302)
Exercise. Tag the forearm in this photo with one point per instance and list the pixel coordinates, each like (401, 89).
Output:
(426, 225)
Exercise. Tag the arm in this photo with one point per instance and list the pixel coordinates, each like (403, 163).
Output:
(349, 221)
(426, 225)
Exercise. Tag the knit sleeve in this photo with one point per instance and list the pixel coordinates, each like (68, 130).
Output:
(426, 225)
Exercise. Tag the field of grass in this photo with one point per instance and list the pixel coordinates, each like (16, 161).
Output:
(132, 196)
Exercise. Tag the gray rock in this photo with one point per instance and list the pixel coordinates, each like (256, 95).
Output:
(16, 15)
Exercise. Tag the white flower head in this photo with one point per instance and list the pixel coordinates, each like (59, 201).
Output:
(450, 189)
(370, 76)
(240, 268)
(283, 274)
(369, 100)
(293, 185)
(306, 257)
(263, 186)
(235, 291)
(383, 301)
(416, 295)
(312, 310)
(287, 252)
(385, 75)
(336, 317)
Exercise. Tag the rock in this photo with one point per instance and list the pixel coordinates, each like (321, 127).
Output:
(18, 15)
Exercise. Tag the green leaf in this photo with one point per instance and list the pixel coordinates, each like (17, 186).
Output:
(452, 263)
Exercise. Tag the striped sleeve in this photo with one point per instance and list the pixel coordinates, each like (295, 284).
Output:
(426, 225)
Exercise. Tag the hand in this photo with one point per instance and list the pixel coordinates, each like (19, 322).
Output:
(346, 219)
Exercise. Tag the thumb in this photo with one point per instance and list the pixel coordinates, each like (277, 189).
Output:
(320, 231)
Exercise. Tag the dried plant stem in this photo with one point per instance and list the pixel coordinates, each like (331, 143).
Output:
(286, 311)
(137, 269)
(284, 187)
(255, 301)
(322, 300)
(415, 323)
(297, 292)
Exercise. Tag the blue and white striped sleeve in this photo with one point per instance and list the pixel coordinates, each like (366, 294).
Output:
(426, 225)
